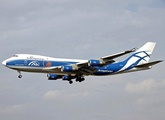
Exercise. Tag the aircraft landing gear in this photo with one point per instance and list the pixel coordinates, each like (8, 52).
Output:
(19, 76)
(70, 82)
(80, 79)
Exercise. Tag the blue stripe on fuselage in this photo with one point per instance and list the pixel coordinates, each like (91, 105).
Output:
(110, 69)
(35, 63)
(136, 62)
(115, 67)
(15, 63)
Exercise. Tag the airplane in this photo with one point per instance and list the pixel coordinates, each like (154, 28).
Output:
(68, 69)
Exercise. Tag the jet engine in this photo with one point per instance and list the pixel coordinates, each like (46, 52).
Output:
(53, 76)
(69, 68)
(96, 62)
(66, 77)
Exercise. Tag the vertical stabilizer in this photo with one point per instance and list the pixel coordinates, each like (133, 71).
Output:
(148, 47)
(145, 52)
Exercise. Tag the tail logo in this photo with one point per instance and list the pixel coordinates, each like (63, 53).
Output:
(142, 55)
(135, 59)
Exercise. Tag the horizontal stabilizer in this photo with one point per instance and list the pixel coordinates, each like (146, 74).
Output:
(147, 64)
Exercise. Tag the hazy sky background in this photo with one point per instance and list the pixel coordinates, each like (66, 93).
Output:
(82, 29)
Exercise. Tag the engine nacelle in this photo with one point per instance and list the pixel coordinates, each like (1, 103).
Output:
(69, 68)
(53, 76)
(95, 62)
(66, 77)
(66, 69)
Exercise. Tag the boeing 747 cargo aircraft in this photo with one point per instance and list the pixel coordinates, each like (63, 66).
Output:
(68, 69)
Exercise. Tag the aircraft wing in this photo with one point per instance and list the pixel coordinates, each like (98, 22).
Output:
(88, 67)
(52, 68)
(83, 69)
(110, 57)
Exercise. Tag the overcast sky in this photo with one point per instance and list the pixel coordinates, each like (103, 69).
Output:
(82, 29)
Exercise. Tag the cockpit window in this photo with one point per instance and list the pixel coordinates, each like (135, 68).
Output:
(15, 56)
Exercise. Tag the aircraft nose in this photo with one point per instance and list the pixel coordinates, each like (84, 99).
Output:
(4, 62)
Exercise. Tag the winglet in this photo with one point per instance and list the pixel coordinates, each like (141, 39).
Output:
(132, 50)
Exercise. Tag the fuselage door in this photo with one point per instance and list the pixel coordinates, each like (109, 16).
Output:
(25, 62)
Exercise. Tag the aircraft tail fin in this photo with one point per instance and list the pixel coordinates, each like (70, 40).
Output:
(145, 51)
(143, 54)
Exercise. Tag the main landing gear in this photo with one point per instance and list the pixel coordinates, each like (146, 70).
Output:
(78, 79)
(70, 82)
(19, 76)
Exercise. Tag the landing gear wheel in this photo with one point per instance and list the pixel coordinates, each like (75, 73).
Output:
(80, 79)
(19, 76)
(70, 82)
(77, 80)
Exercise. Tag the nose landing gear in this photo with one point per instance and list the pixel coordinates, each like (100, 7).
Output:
(19, 76)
